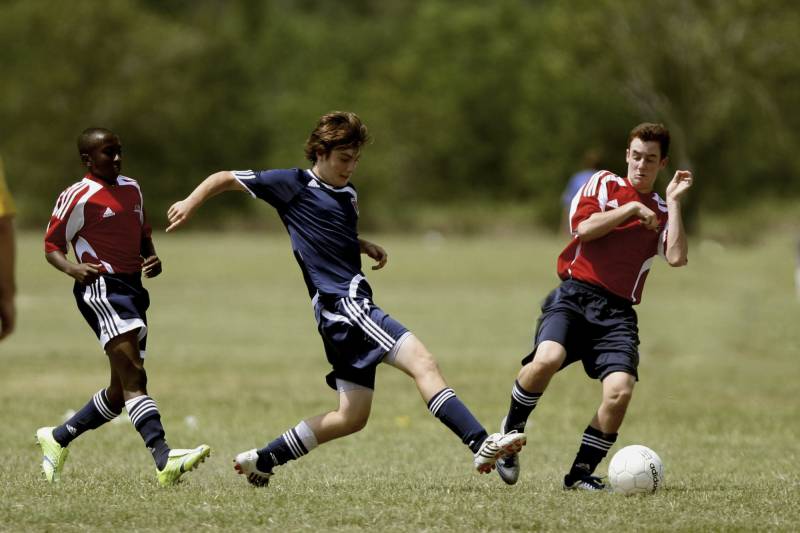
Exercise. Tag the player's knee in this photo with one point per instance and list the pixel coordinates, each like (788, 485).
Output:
(423, 364)
(618, 398)
(134, 380)
(354, 420)
(549, 357)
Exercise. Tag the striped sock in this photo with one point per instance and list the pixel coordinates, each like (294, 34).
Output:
(293, 444)
(522, 405)
(145, 417)
(94, 414)
(446, 406)
(594, 446)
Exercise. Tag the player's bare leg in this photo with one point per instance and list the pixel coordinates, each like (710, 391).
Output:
(417, 362)
(350, 417)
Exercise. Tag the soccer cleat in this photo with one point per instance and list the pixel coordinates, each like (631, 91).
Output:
(245, 463)
(495, 447)
(54, 454)
(508, 466)
(181, 461)
(587, 482)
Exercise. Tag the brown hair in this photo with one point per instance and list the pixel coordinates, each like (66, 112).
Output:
(336, 129)
(648, 131)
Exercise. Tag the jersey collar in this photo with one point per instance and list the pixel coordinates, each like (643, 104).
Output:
(318, 180)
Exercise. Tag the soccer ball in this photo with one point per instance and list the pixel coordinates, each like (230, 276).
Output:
(636, 469)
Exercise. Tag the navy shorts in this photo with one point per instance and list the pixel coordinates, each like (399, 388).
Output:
(594, 326)
(114, 304)
(357, 335)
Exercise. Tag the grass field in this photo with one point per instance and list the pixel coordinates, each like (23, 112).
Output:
(234, 359)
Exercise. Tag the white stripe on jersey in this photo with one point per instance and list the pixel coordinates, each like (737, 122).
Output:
(82, 245)
(65, 199)
(353, 291)
(346, 188)
(645, 267)
(75, 220)
(240, 175)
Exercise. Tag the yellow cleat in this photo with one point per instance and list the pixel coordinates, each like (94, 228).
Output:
(54, 454)
(181, 461)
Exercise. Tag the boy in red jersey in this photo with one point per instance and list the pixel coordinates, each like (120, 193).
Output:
(103, 217)
(618, 226)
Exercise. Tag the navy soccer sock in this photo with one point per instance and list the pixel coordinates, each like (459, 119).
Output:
(94, 414)
(293, 444)
(145, 417)
(522, 405)
(446, 406)
(594, 446)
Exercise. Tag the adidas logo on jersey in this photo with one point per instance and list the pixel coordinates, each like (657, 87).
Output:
(108, 213)
(613, 203)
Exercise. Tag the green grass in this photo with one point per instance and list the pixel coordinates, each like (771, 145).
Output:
(233, 344)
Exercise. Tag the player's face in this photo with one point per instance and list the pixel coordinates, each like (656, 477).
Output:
(336, 167)
(644, 161)
(105, 158)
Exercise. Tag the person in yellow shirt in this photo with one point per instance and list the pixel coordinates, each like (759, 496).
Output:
(7, 284)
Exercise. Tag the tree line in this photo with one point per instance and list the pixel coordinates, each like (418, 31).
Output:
(470, 103)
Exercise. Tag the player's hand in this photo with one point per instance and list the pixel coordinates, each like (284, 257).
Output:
(680, 183)
(375, 252)
(646, 216)
(85, 273)
(151, 266)
(179, 213)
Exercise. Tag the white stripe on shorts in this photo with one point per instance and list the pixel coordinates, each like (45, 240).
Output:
(368, 325)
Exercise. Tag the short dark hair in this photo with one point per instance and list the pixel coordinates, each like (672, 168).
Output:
(90, 136)
(649, 131)
(336, 129)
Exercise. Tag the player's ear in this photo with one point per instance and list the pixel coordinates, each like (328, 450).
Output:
(663, 163)
(86, 160)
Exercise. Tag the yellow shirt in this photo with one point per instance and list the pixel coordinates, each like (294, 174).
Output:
(6, 203)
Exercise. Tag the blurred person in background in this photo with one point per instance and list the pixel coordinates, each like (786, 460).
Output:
(7, 252)
(589, 165)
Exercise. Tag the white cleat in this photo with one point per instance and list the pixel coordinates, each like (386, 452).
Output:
(245, 463)
(496, 447)
(508, 466)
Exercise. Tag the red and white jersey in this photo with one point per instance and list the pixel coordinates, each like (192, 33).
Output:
(619, 261)
(105, 224)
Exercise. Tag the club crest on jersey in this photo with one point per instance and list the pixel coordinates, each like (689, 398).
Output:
(355, 205)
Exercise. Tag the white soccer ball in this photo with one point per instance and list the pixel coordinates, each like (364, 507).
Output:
(636, 469)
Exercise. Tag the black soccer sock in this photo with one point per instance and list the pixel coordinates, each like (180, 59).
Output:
(446, 406)
(522, 405)
(145, 417)
(594, 446)
(293, 444)
(94, 414)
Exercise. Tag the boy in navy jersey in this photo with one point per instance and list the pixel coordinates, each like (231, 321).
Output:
(618, 226)
(319, 208)
(102, 216)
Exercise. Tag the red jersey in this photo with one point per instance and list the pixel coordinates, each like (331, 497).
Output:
(105, 224)
(619, 261)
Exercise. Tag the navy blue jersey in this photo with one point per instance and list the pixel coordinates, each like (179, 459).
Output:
(322, 222)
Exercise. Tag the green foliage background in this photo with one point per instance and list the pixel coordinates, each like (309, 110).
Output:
(480, 109)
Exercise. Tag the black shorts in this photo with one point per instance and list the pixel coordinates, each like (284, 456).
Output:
(114, 304)
(357, 335)
(594, 326)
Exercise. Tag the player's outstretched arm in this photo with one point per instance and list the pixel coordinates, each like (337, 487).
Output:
(180, 212)
(677, 248)
(375, 252)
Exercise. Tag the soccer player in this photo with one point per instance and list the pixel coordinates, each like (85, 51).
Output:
(102, 215)
(618, 226)
(319, 208)
(7, 283)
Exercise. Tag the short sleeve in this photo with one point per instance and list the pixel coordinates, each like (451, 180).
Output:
(593, 197)
(276, 187)
(56, 236)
